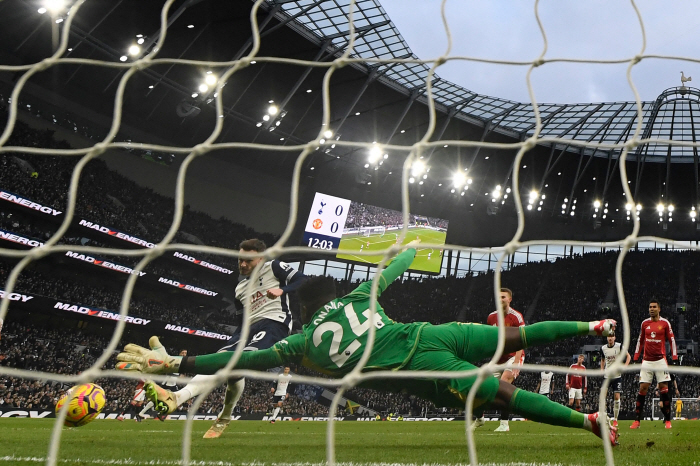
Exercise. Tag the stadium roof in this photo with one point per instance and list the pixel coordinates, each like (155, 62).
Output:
(671, 116)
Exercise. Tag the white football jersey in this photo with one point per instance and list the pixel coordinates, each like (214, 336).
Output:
(545, 382)
(609, 353)
(282, 384)
(274, 274)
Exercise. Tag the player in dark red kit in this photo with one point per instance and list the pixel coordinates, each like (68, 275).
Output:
(656, 331)
(577, 385)
(512, 318)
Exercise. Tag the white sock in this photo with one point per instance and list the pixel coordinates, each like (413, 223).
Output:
(198, 385)
(148, 406)
(587, 424)
(504, 422)
(616, 408)
(233, 394)
(275, 413)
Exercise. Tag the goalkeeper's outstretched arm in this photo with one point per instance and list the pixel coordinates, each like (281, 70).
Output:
(157, 361)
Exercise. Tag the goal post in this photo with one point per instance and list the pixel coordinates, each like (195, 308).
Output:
(689, 410)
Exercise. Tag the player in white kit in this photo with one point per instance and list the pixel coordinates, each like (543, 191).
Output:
(546, 384)
(270, 322)
(609, 353)
(279, 394)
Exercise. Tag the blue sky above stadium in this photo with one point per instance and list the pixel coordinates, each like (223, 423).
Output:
(592, 29)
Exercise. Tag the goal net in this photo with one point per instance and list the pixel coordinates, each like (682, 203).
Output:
(353, 24)
(689, 409)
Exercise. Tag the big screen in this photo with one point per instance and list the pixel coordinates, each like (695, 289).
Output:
(345, 224)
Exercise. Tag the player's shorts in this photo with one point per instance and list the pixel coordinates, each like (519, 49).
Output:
(277, 398)
(616, 385)
(654, 368)
(576, 393)
(510, 364)
(262, 335)
(449, 347)
(139, 396)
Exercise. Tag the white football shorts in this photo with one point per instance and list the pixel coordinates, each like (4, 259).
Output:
(654, 368)
(509, 365)
(139, 395)
(576, 393)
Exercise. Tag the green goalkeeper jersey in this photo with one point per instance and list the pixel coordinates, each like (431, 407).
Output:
(336, 337)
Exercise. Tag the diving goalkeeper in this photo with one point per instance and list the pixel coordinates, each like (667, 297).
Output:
(335, 334)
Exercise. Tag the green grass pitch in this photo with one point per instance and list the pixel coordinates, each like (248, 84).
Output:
(109, 442)
(379, 243)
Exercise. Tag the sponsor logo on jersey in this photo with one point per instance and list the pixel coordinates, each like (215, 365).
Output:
(100, 313)
(32, 243)
(653, 334)
(184, 286)
(103, 263)
(199, 333)
(15, 296)
(116, 234)
(27, 203)
(206, 264)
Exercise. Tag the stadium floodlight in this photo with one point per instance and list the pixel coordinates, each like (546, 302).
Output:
(134, 50)
(660, 207)
(328, 134)
(544, 197)
(273, 109)
(628, 207)
(508, 190)
(140, 41)
(123, 58)
(210, 79)
(692, 214)
(425, 177)
(496, 192)
(459, 179)
(452, 191)
(572, 213)
(203, 88)
(41, 10)
(374, 154)
(639, 207)
(417, 168)
(469, 181)
(54, 6)
(533, 194)
(563, 206)
(529, 207)
(195, 95)
(411, 180)
(670, 208)
(266, 117)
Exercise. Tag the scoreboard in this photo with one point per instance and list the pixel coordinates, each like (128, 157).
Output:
(326, 221)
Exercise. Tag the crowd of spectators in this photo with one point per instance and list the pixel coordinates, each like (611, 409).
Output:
(108, 198)
(364, 215)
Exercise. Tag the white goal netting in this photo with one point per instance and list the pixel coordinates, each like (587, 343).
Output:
(429, 140)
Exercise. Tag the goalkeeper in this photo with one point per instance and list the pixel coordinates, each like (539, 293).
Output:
(334, 338)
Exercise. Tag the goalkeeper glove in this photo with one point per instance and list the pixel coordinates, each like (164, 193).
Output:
(153, 361)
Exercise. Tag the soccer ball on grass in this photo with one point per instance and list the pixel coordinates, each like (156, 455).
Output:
(85, 402)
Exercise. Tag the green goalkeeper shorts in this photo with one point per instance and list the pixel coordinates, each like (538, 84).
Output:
(454, 347)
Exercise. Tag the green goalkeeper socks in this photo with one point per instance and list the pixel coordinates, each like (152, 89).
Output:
(539, 408)
(547, 332)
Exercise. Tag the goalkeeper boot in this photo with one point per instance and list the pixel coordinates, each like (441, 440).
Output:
(596, 421)
(163, 400)
(217, 428)
(602, 328)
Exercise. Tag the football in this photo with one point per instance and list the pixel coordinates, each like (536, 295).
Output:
(85, 402)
